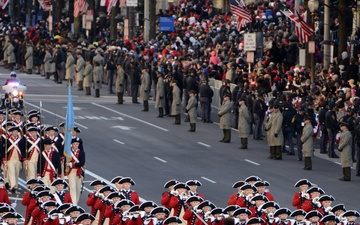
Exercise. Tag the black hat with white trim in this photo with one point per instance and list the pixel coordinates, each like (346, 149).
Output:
(270, 204)
(64, 206)
(181, 185)
(282, 211)
(127, 180)
(302, 182)
(298, 212)
(255, 220)
(134, 208)
(252, 178)
(326, 198)
(116, 179)
(248, 186)
(160, 209)
(194, 199)
(315, 189)
(60, 181)
(238, 184)
(241, 211)
(74, 208)
(124, 202)
(193, 182)
(231, 208)
(216, 211)
(44, 193)
(107, 188)
(351, 213)
(172, 219)
(12, 215)
(50, 204)
(330, 218)
(97, 182)
(115, 194)
(171, 182)
(312, 214)
(338, 207)
(84, 216)
(148, 204)
(206, 203)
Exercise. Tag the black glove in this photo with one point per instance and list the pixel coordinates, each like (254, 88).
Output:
(161, 97)
(219, 115)
(97, 82)
(120, 85)
(340, 150)
(177, 104)
(276, 135)
(145, 91)
(186, 111)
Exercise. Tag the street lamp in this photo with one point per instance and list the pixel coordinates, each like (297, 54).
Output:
(313, 5)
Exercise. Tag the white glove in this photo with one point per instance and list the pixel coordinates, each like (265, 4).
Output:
(142, 214)
(38, 177)
(147, 221)
(305, 195)
(248, 197)
(13, 205)
(212, 219)
(198, 211)
(53, 216)
(66, 178)
(328, 209)
(136, 215)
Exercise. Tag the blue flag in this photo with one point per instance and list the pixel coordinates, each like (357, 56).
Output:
(69, 126)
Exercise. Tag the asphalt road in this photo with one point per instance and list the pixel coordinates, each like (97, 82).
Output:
(123, 140)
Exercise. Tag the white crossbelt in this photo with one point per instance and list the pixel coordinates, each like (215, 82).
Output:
(14, 145)
(57, 198)
(33, 144)
(48, 160)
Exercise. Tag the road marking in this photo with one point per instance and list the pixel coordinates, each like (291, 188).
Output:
(161, 160)
(88, 190)
(35, 106)
(207, 179)
(338, 163)
(123, 127)
(203, 144)
(252, 162)
(120, 142)
(131, 117)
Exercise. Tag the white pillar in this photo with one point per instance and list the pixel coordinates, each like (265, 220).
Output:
(146, 20)
(327, 34)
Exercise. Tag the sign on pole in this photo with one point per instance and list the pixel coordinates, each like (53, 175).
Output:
(250, 42)
(131, 3)
(166, 24)
(311, 47)
(250, 57)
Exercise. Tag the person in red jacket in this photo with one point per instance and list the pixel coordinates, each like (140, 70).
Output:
(115, 181)
(112, 199)
(312, 200)
(193, 185)
(11, 218)
(4, 196)
(234, 197)
(216, 216)
(330, 220)
(146, 209)
(351, 216)
(248, 193)
(129, 194)
(269, 209)
(38, 210)
(122, 216)
(229, 210)
(313, 217)
(29, 196)
(177, 201)
(325, 208)
(166, 196)
(191, 211)
(241, 216)
(159, 214)
(93, 199)
(252, 179)
(301, 196)
(101, 204)
(206, 207)
(60, 195)
(257, 202)
(261, 189)
(299, 217)
(282, 215)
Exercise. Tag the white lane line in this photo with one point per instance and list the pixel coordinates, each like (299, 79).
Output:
(131, 117)
(107, 181)
(120, 142)
(35, 106)
(252, 162)
(207, 179)
(203, 144)
(88, 190)
(161, 160)
(338, 163)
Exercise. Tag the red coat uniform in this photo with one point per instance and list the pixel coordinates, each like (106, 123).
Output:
(52, 222)
(165, 199)
(91, 202)
(4, 196)
(38, 215)
(118, 220)
(298, 201)
(64, 197)
(269, 196)
(26, 201)
(100, 205)
(109, 213)
(176, 203)
(190, 217)
(308, 206)
(133, 196)
(232, 199)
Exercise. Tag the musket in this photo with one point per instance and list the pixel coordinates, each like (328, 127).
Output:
(6, 143)
(40, 111)
(26, 142)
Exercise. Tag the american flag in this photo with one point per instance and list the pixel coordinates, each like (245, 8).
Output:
(111, 4)
(4, 3)
(302, 29)
(122, 3)
(243, 15)
(80, 6)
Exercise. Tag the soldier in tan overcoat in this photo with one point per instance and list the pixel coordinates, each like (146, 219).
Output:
(160, 94)
(274, 132)
(88, 77)
(244, 123)
(345, 151)
(307, 142)
(225, 118)
(11, 56)
(191, 110)
(176, 102)
(119, 83)
(47, 63)
(69, 66)
(79, 69)
(145, 88)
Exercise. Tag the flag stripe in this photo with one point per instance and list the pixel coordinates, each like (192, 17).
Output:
(302, 29)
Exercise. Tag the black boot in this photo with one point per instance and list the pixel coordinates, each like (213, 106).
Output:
(29, 71)
(243, 143)
(272, 152)
(187, 118)
(227, 136)
(278, 152)
(80, 85)
(120, 97)
(47, 76)
(177, 120)
(97, 93)
(224, 134)
(161, 112)
(88, 91)
(192, 127)
(307, 163)
(347, 174)
(146, 106)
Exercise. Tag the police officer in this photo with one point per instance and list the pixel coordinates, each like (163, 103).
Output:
(332, 127)
(297, 123)
(307, 142)
(191, 110)
(288, 128)
(176, 102)
(225, 118)
(145, 88)
(206, 94)
(160, 94)
(259, 110)
(275, 134)
(345, 149)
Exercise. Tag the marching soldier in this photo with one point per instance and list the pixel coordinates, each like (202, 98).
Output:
(299, 217)
(115, 181)
(270, 209)
(193, 185)
(48, 163)
(244, 123)
(330, 220)
(345, 150)
(4, 196)
(261, 189)
(32, 143)
(29, 196)
(190, 212)
(29, 58)
(190, 109)
(247, 194)
(176, 102)
(111, 200)
(177, 201)
(145, 88)
(47, 63)
(13, 152)
(129, 194)
(282, 215)
(73, 211)
(146, 208)
(274, 131)
(234, 197)
(312, 197)
(313, 217)
(257, 201)
(70, 67)
(300, 197)
(76, 172)
(351, 216)
(160, 94)
(307, 142)
(17, 119)
(88, 77)
(38, 214)
(119, 84)
(166, 196)
(160, 213)
(241, 216)
(97, 78)
(11, 218)
(80, 67)
(93, 199)
(60, 195)
(99, 60)
(225, 118)
(206, 94)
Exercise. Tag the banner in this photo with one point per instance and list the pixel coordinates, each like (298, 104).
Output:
(166, 24)
(3, 4)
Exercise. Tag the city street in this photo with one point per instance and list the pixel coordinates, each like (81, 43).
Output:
(123, 140)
